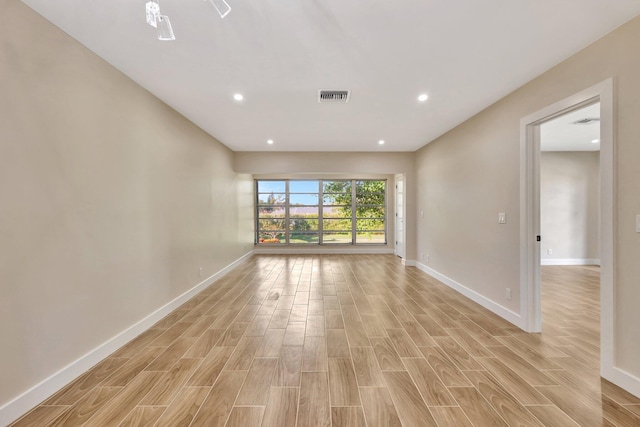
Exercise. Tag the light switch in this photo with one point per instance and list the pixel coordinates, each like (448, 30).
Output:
(502, 218)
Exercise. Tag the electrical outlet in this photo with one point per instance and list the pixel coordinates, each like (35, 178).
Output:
(200, 271)
(549, 251)
(502, 218)
(427, 259)
(508, 294)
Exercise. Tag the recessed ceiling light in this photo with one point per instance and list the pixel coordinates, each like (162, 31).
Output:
(238, 97)
(381, 142)
(269, 141)
(595, 141)
(423, 97)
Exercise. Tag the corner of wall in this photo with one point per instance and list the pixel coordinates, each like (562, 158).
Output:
(490, 305)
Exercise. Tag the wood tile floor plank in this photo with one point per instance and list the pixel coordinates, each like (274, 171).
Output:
(41, 415)
(343, 387)
(475, 407)
(244, 416)
(289, 368)
(282, 408)
(313, 406)
(347, 417)
(386, 354)
(184, 408)
(216, 408)
(142, 416)
(407, 400)
(366, 367)
(433, 391)
(450, 416)
(84, 409)
(499, 398)
(379, 408)
(117, 408)
(255, 390)
(314, 354)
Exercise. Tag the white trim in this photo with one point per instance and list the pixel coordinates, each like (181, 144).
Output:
(26, 401)
(409, 263)
(530, 221)
(529, 226)
(490, 305)
(570, 261)
(402, 253)
(530, 258)
(624, 380)
(337, 250)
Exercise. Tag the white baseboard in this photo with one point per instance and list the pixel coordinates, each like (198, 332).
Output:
(490, 305)
(570, 261)
(409, 262)
(337, 250)
(18, 406)
(622, 379)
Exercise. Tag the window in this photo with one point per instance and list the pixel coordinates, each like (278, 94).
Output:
(321, 212)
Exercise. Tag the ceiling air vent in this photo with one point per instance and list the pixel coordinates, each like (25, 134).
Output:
(586, 121)
(333, 96)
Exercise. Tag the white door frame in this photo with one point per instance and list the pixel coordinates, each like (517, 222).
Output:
(400, 248)
(530, 215)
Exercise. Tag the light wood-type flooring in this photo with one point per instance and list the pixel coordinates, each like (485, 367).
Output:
(354, 340)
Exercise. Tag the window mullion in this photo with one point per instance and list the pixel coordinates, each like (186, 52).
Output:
(286, 211)
(320, 210)
(386, 211)
(353, 212)
(256, 211)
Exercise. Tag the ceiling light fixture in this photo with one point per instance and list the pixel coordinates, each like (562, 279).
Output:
(165, 31)
(162, 23)
(238, 97)
(595, 141)
(381, 142)
(270, 141)
(222, 7)
(153, 11)
(423, 97)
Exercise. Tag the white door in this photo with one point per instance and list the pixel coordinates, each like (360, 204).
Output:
(399, 234)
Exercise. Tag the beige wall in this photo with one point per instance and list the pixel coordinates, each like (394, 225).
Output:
(471, 173)
(345, 165)
(570, 205)
(110, 202)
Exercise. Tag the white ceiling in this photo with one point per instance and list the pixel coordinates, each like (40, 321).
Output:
(561, 134)
(466, 54)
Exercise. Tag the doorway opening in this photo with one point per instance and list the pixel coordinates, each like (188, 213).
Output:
(569, 229)
(530, 240)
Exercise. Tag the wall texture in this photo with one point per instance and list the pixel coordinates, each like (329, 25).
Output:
(110, 201)
(569, 205)
(472, 172)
